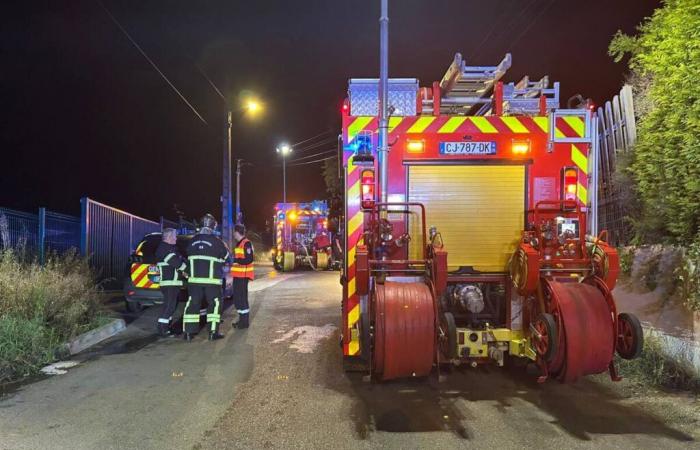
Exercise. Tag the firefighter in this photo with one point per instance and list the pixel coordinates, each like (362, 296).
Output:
(171, 265)
(207, 255)
(242, 271)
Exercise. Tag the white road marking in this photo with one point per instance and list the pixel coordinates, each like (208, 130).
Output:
(307, 337)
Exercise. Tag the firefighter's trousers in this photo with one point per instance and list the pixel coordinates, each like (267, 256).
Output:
(240, 301)
(170, 294)
(196, 293)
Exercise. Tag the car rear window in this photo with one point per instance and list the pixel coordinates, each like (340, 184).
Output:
(147, 248)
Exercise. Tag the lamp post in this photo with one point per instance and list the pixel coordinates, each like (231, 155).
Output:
(227, 219)
(284, 150)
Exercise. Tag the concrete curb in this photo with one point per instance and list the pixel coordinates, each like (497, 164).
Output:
(92, 337)
(683, 350)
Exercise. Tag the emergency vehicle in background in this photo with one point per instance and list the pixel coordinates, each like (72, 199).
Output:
(486, 247)
(301, 236)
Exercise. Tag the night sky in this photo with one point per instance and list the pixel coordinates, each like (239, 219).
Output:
(84, 114)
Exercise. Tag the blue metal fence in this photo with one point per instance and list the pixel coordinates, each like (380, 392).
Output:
(105, 234)
(62, 232)
(35, 235)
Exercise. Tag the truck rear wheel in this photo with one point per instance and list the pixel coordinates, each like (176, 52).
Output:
(288, 261)
(321, 260)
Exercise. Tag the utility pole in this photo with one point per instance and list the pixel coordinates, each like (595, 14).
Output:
(227, 206)
(383, 147)
(284, 150)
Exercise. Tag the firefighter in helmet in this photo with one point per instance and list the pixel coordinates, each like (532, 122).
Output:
(242, 271)
(172, 265)
(207, 255)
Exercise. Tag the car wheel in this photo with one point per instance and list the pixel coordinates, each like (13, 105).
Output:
(134, 307)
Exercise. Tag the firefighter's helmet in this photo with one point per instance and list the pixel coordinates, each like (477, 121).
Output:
(208, 221)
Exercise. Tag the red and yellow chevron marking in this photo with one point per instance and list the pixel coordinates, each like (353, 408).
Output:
(351, 346)
(579, 156)
(139, 276)
(569, 126)
(280, 226)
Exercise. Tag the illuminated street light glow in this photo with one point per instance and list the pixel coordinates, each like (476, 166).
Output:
(284, 149)
(253, 106)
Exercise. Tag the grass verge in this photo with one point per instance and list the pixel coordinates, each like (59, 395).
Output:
(654, 368)
(43, 307)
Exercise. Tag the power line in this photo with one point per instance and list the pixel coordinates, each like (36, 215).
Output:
(312, 162)
(313, 156)
(318, 144)
(532, 23)
(211, 83)
(499, 26)
(138, 47)
(312, 138)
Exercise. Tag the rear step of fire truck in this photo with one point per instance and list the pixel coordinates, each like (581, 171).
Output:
(414, 299)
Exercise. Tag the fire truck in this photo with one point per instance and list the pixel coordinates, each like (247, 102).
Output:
(301, 237)
(484, 246)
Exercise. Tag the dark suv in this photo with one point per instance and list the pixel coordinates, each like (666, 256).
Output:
(143, 275)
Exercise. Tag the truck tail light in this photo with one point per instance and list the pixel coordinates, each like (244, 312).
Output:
(520, 147)
(415, 146)
(367, 182)
(569, 186)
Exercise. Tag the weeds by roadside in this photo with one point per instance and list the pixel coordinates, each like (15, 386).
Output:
(41, 308)
(655, 368)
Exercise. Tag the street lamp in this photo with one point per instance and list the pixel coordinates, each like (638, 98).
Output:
(251, 106)
(284, 150)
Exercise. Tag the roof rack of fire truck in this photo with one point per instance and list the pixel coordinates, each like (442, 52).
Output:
(463, 90)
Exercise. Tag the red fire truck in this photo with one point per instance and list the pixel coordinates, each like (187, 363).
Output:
(485, 248)
(301, 237)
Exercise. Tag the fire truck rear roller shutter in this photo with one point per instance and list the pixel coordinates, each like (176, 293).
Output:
(478, 209)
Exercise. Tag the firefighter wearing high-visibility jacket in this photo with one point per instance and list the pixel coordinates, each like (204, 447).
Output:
(242, 272)
(171, 265)
(206, 254)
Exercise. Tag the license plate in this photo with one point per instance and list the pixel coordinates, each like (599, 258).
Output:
(153, 270)
(467, 148)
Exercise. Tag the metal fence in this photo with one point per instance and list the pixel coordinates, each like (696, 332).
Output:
(617, 135)
(108, 236)
(36, 235)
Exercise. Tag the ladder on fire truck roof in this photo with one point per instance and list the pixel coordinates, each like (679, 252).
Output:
(464, 88)
(469, 90)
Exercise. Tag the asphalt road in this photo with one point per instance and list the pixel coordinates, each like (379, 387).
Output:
(280, 385)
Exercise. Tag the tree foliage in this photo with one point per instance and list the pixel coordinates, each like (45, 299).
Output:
(664, 57)
(334, 187)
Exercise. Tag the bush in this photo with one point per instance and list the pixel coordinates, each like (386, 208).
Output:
(626, 260)
(42, 307)
(664, 57)
(688, 276)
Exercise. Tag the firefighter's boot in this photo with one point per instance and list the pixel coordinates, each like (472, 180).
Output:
(164, 329)
(215, 336)
(242, 322)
